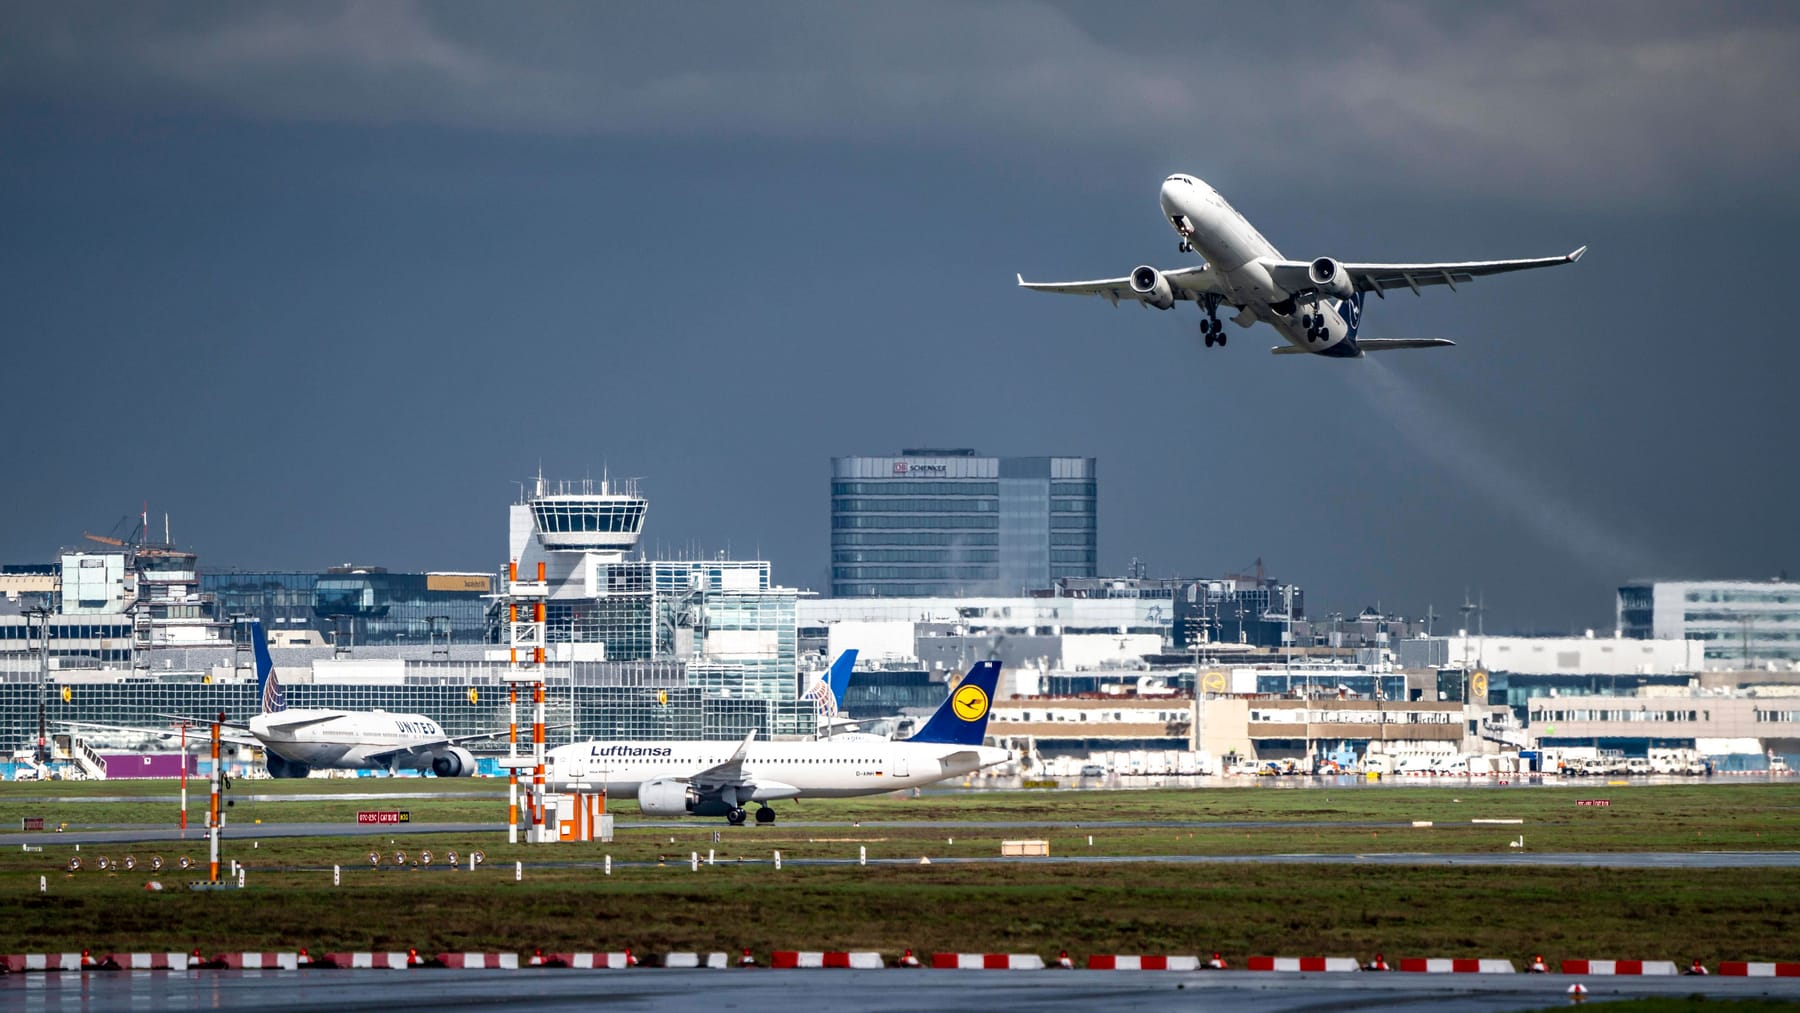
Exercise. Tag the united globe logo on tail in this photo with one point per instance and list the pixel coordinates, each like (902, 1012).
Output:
(827, 691)
(273, 699)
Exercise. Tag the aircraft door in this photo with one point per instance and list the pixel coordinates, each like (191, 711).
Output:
(899, 767)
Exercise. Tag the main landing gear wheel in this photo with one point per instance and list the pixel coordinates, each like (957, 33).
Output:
(765, 816)
(735, 817)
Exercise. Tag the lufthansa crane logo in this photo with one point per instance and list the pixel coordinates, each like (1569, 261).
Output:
(1478, 686)
(970, 703)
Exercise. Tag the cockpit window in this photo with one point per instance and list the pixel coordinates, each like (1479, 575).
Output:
(1178, 178)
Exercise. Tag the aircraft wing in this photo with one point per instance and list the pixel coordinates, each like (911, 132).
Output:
(1186, 283)
(722, 775)
(197, 736)
(1293, 276)
(1374, 345)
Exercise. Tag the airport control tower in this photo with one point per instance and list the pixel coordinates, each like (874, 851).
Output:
(576, 529)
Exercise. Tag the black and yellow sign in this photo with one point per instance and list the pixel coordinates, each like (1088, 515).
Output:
(1213, 682)
(969, 703)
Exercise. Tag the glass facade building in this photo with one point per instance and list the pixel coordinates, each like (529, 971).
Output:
(601, 700)
(951, 522)
(367, 605)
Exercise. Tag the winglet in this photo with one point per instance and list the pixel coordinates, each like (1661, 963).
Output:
(743, 748)
(1573, 257)
(1021, 278)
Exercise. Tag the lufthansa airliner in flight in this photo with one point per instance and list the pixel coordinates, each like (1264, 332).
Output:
(1316, 305)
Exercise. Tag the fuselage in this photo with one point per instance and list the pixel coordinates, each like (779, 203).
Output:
(345, 739)
(1237, 253)
(816, 769)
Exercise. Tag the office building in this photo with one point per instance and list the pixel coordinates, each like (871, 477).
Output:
(1739, 623)
(946, 523)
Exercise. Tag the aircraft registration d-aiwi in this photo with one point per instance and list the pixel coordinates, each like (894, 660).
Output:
(297, 742)
(700, 778)
(1315, 305)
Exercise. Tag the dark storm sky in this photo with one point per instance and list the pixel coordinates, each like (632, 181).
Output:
(324, 281)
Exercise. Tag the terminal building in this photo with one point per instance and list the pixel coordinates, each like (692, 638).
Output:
(941, 523)
(636, 648)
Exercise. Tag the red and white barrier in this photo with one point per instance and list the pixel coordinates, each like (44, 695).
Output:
(471, 961)
(259, 961)
(1742, 969)
(1456, 965)
(989, 961)
(1303, 964)
(1150, 962)
(150, 961)
(46, 961)
(859, 959)
(393, 961)
(1618, 967)
(596, 961)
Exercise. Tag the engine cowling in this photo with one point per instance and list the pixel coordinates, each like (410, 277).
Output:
(1329, 277)
(453, 761)
(1152, 287)
(667, 797)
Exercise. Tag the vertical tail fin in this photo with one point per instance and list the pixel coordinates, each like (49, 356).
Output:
(962, 719)
(267, 683)
(828, 690)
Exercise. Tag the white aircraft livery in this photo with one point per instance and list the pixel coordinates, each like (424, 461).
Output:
(700, 778)
(297, 742)
(1315, 305)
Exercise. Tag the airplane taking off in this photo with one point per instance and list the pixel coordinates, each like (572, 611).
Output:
(700, 778)
(297, 742)
(1316, 305)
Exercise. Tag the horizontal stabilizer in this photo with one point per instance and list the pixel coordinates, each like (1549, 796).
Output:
(1372, 345)
(1389, 344)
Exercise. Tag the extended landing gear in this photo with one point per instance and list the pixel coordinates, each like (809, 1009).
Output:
(735, 816)
(1315, 326)
(765, 816)
(1210, 328)
(1185, 247)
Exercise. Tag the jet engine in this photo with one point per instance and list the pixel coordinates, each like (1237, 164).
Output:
(1148, 282)
(284, 768)
(1330, 278)
(453, 761)
(667, 797)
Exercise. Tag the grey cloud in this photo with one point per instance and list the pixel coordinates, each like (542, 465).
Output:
(1557, 101)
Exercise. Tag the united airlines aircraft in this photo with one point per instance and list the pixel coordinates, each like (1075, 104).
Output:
(297, 742)
(1315, 305)
(700, 778)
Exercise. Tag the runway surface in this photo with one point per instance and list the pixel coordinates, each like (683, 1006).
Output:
(1520, 858)
(707, 991)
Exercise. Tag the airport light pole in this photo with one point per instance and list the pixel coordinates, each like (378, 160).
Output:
(42, 615)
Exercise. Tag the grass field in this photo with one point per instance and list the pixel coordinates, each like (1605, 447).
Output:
(565, 901)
